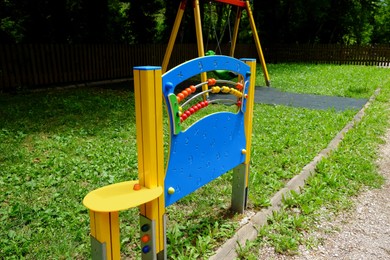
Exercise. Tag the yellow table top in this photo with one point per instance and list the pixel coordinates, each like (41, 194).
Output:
(120, 196)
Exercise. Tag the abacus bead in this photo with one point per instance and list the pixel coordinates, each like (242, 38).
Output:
(225, 89)
(193, 88)
(211, 82)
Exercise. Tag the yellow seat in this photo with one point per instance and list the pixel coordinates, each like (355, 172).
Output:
(120, 196)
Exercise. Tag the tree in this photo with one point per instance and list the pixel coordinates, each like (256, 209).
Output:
(143, 23)
(381, 30)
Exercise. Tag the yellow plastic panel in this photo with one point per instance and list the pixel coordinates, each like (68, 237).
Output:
(120, 196)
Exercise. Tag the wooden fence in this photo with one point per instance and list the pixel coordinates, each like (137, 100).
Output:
(41, 65)
(371, 55)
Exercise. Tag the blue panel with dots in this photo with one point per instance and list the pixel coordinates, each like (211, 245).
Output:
(203, 152)
(211, 146)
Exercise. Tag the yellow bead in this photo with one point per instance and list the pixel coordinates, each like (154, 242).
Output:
(215, 89)
(225, 89)
(171, 190)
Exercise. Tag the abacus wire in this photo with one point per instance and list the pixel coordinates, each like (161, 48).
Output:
(222, 100)
(195, 96)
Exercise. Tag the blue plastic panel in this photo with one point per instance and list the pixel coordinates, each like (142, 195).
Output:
(203, 152)
(211, 146)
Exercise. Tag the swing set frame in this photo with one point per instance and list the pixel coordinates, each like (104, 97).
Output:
(241, 5)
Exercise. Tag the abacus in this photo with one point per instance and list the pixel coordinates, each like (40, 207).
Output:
(237, 91)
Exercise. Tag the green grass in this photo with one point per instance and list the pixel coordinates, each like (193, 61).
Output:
(57, 146)
(335, 80)
(338, 178)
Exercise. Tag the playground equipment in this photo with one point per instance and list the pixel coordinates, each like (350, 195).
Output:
(241, 5)
(210, 147)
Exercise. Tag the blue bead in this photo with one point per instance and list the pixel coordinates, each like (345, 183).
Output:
(146, 249)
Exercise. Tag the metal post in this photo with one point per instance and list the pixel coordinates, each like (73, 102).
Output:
(241, 172)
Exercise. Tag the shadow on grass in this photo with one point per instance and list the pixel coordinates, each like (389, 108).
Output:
(86, 111)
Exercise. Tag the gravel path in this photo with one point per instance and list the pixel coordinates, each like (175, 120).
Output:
(363, 233)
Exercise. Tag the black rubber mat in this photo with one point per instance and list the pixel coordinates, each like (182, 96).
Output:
(273, 96)
(268, 95)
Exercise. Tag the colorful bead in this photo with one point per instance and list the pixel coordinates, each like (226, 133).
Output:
(239, 86)
(211, 82)
(215, 89)
(180, 97)
(225, 89)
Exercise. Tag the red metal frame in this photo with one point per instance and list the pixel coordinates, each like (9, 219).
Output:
(238, 3)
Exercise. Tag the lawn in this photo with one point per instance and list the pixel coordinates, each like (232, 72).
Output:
(56, 146)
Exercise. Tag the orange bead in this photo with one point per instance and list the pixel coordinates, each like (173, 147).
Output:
(189, 90)
(180, 97)
(193, 88)
(239, 86)
(185, 93)
(211, 82)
